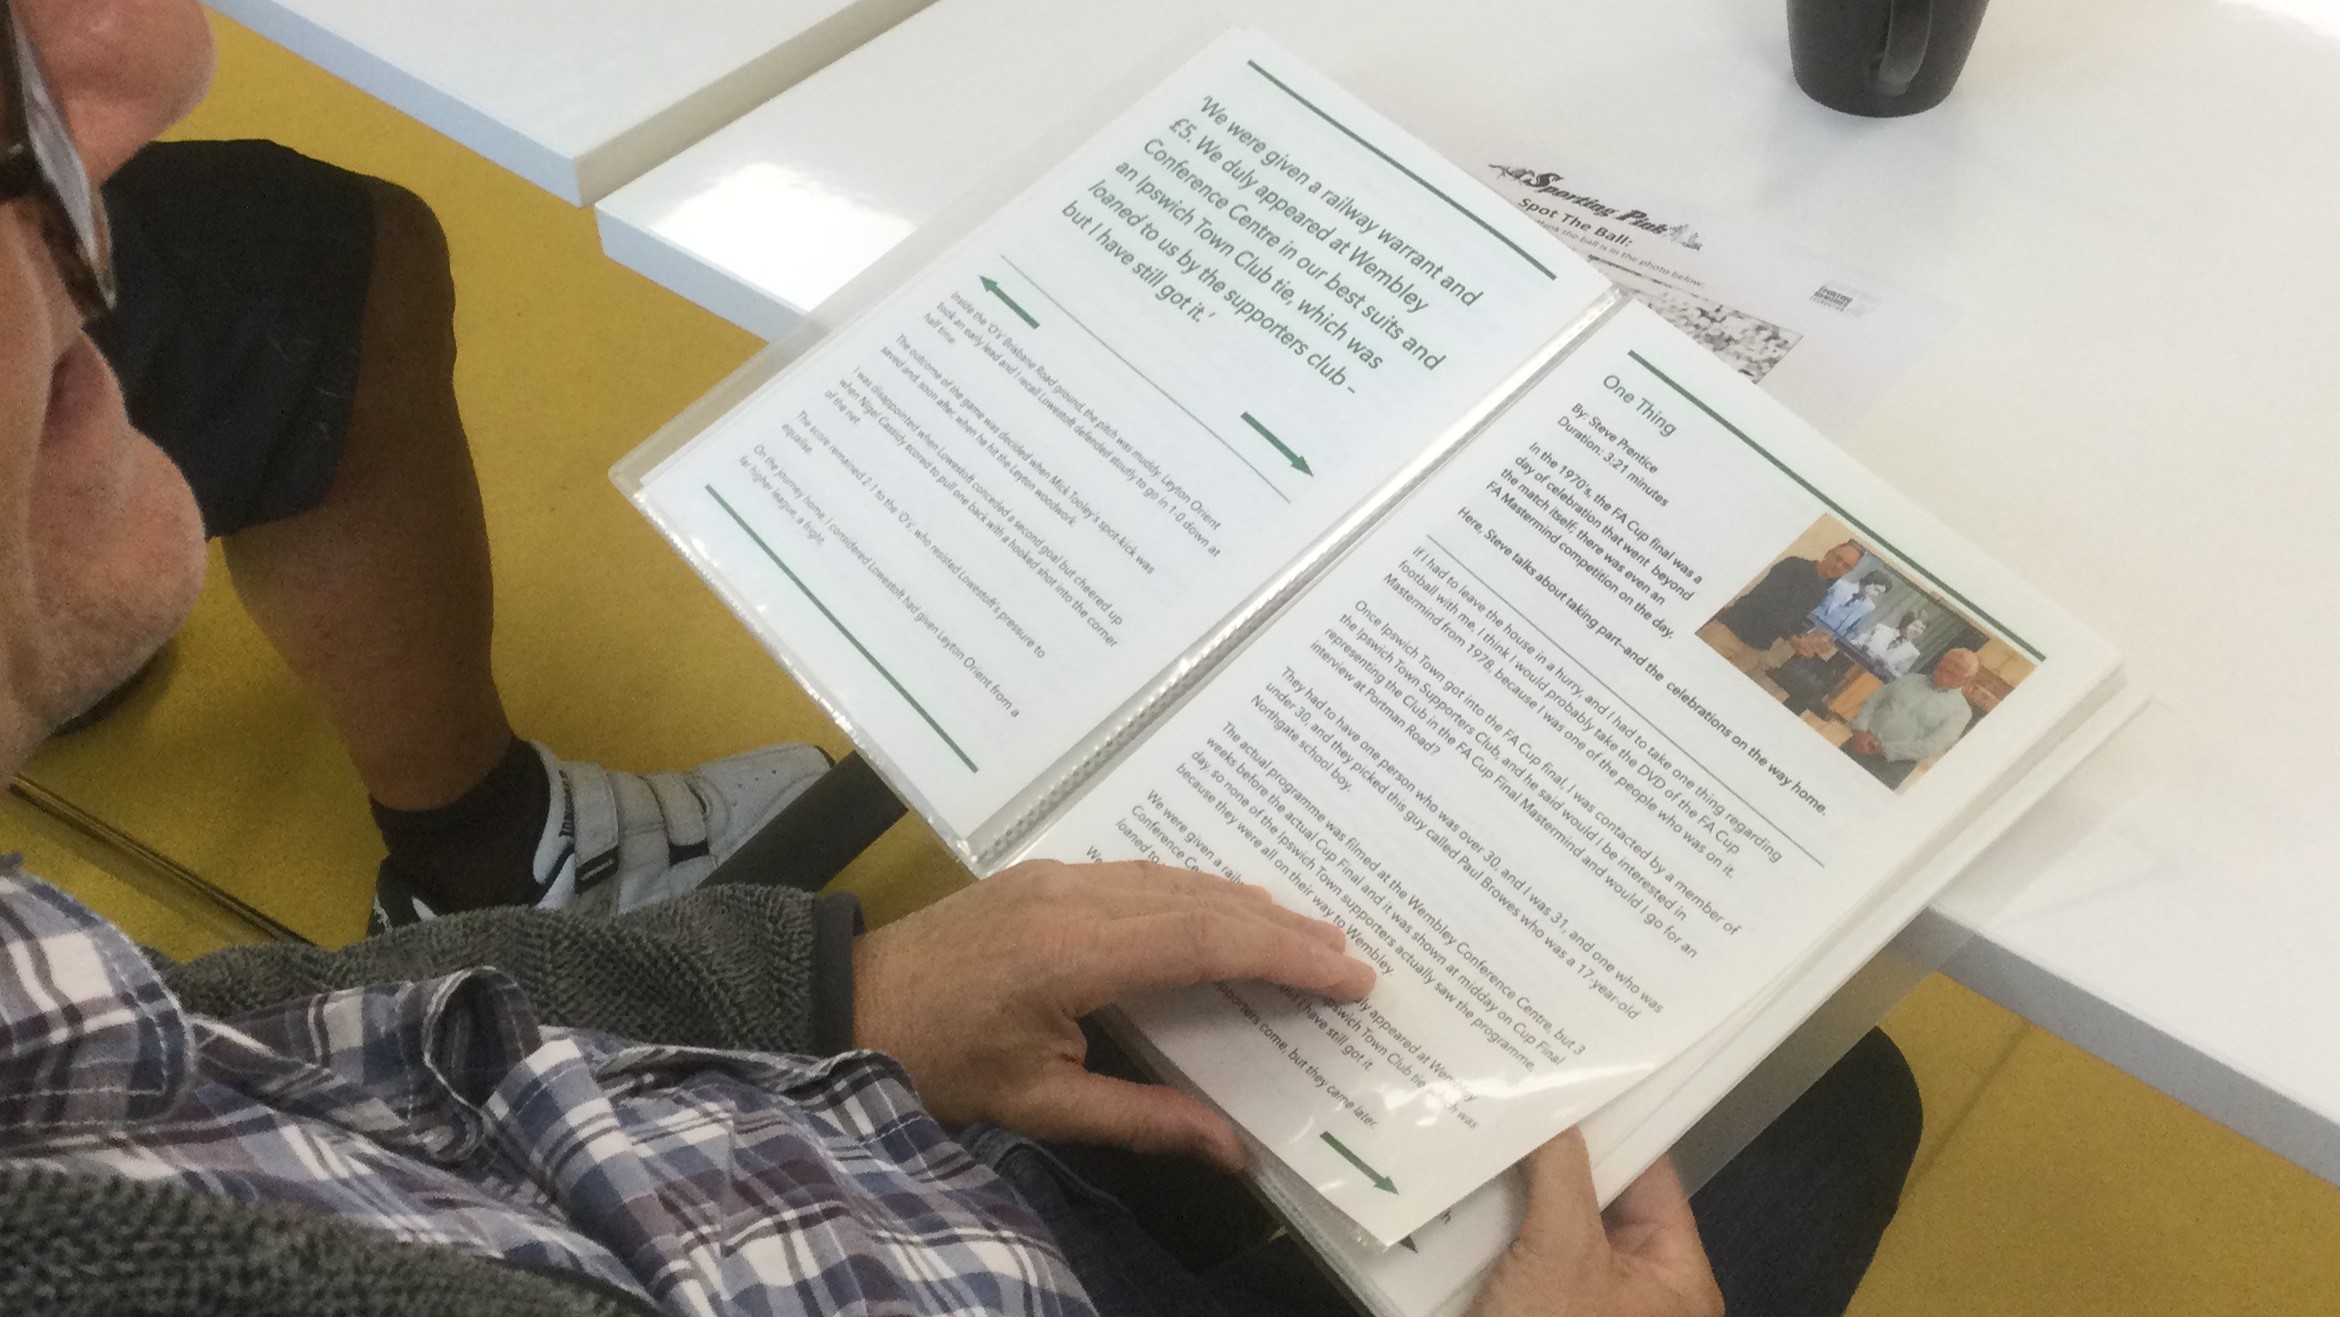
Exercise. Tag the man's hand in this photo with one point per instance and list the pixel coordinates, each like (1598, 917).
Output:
(1814, 644)
(1642, 1259)
(1863, 744)
(978, 995)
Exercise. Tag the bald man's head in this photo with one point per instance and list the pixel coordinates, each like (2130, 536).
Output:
(1956, 669)
(1839, 560)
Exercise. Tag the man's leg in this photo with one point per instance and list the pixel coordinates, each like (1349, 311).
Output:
(379, 598)
(286, 333)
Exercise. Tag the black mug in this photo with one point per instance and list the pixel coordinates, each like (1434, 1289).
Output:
(1880, 58)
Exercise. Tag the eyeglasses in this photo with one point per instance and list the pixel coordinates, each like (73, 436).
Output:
(38, 162)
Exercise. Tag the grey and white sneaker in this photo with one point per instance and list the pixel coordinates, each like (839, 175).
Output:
(615, 841)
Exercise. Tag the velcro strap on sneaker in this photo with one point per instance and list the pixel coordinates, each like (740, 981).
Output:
(641, 827)
(685, 809)
(594, 815)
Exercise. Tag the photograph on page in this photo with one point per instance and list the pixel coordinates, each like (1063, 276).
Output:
(1864, 654)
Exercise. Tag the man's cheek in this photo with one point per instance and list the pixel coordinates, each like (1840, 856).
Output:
(124, 70)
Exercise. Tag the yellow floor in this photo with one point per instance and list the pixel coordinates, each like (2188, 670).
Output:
(2048, 1183)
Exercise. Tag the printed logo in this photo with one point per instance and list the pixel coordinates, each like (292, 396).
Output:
(1847, 300)
(1547, 183)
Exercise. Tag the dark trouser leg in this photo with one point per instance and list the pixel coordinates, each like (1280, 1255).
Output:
(1793, 1221)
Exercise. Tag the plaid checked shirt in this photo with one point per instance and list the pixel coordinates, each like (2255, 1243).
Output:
(442, 1112)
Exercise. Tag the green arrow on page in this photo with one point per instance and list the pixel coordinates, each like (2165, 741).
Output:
(995, 290)
(1380, 1181)
(1299, 463)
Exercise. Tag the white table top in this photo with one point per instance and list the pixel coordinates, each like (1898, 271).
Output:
(2132, 203)
(577, 96)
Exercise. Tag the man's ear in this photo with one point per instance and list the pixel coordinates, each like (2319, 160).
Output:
(123, 70)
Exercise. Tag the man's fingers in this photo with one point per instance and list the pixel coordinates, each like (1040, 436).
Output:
(1145, 875)
(1652, 1220)
(1649, 1223)
(1092, 1108)
(1199, 945)
(1563, 1212)
(1131, 888)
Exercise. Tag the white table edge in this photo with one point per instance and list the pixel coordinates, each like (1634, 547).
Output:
(645, 253)
(384, 81)
(2282, 1125)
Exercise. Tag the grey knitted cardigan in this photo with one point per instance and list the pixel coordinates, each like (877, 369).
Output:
(742, 968)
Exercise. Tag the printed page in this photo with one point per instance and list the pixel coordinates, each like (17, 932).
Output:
(1822, 337)
(985, 514)
(1586, 745)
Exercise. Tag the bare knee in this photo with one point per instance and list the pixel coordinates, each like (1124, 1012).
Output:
(404, 424)
(411, 301)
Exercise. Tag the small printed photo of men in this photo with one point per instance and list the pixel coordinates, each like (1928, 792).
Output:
(1863, 654)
